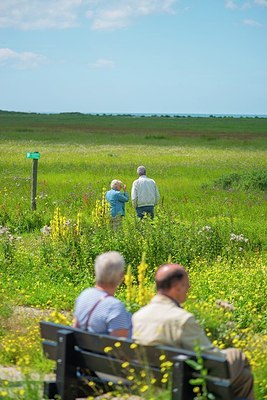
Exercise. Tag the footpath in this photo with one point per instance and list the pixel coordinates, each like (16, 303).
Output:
(14, 377)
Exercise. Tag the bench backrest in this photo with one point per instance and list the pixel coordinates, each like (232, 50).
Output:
(73, 348)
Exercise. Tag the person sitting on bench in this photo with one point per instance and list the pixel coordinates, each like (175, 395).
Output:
(96, 309)
(164, 322)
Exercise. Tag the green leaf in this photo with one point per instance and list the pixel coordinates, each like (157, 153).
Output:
(211, 396)
(196, 382)
(193, 364)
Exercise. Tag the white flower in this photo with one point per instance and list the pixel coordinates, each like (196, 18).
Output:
(3, 230)
(46, 230)
(238, 238)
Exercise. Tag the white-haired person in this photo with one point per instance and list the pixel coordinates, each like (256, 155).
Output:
(117, 201)
(145, 194)
(96, 309)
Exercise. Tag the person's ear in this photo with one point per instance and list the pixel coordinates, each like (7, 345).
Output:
(176, 285)
(122, 277)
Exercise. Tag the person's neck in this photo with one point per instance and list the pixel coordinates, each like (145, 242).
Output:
(106, 288)
(169, 296)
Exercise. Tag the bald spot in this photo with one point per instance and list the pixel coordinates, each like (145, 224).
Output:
(167, 270)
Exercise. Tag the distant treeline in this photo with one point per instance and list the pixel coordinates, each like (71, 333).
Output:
(138, 115)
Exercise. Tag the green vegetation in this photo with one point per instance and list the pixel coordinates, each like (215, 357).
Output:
(211, 173)
(129, 129)
(247, 181)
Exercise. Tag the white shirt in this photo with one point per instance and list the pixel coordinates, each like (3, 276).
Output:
(144, 192)
(163, 322)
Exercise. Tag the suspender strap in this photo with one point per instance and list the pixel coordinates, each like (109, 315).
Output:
(93, 309)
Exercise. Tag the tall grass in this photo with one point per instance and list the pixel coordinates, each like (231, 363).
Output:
(218, 234)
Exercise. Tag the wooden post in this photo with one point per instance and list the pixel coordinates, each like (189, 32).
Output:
(34, 155)
(34, 184)
(66, 370)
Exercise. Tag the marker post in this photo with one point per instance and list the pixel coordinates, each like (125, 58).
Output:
(35, 156)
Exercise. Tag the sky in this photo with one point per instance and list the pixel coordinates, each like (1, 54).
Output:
(134, 56)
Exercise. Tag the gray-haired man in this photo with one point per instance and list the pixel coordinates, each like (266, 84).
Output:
(145, 194)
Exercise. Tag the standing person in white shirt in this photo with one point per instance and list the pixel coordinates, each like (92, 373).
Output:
(145, 194)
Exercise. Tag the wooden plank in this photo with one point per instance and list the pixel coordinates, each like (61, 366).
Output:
(113, 366)
(50, 350)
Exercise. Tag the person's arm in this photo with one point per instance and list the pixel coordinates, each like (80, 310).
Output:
(134, 194)
(75, 323)
(192, 334)
(107, 196)
(119, 320)
(120, 333)
(123, 197)
(157, 195)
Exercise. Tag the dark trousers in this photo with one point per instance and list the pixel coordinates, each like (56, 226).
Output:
(142, 211)
(241, 376)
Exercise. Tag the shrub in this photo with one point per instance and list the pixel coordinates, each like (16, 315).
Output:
(252, 180)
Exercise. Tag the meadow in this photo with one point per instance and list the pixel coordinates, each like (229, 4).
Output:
(212, 176)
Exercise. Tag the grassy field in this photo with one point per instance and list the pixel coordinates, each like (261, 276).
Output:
(159, 131)
(212, 177)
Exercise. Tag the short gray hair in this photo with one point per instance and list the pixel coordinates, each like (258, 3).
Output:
(115, 183)
(141, 170)
(109, 268)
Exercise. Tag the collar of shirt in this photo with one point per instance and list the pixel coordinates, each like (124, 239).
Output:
(99, 289)
(159, 298)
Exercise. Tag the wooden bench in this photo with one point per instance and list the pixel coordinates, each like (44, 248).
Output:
(75, 350)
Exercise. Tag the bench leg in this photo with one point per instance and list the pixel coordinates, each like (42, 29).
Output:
(50, 389)
(179, 379)
(66, 370)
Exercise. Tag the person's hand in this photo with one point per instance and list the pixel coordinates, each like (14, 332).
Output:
(124, 188)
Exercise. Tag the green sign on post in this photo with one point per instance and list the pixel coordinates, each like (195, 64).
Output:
(34, 155)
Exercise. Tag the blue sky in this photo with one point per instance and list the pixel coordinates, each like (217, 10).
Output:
(134, 56)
